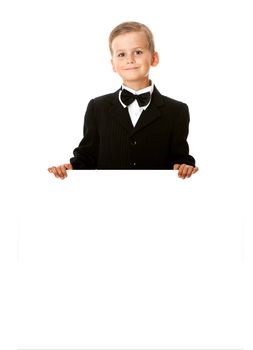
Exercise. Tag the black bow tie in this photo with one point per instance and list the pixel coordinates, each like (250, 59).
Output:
(127, 98)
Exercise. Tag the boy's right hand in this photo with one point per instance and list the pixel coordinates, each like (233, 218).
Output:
(61, 170)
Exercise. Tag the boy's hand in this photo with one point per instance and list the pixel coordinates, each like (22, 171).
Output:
(185, 170)
(61, 170)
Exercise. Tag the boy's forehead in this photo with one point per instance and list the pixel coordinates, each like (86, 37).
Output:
(129, 40)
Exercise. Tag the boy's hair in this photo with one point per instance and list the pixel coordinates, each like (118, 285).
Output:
(128, 27)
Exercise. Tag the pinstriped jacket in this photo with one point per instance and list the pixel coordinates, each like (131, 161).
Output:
(110, 141)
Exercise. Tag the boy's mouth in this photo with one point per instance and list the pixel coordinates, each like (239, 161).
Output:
(131, 68)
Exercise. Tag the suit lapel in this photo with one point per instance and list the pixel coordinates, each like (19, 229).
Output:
(151, 113)
(120, 113)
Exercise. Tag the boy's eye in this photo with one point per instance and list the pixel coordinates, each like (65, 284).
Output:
(138, 52)
(121, 54)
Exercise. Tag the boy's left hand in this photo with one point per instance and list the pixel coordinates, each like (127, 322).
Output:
(185, 170)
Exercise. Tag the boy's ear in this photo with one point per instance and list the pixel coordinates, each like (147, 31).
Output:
(155, 59)
(113, 67)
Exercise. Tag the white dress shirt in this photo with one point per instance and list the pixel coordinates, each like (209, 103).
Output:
(134, 109)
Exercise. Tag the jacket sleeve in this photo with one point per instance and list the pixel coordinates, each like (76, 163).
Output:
(86, 154)
(179, 145)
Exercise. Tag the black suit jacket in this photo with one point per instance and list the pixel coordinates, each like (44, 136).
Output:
(110, 141)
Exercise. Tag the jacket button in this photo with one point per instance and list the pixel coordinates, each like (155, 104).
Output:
(133, 143)
(133, 164)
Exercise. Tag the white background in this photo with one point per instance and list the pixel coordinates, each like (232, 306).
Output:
(118, 259)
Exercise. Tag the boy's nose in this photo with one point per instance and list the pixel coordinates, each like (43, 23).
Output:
(130, 58)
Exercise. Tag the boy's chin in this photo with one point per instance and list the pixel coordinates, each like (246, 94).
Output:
(134, 79)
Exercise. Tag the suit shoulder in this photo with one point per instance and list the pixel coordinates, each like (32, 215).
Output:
(104, 99)
(172, 102)
(174, 108)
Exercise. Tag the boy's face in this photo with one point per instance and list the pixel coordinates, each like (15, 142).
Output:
(132, 59)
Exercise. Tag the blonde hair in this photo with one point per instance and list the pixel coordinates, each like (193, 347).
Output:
(128, 27)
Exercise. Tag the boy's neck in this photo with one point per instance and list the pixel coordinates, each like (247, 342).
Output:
(137, 85)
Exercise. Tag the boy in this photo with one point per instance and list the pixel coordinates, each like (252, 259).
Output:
(135, 127)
